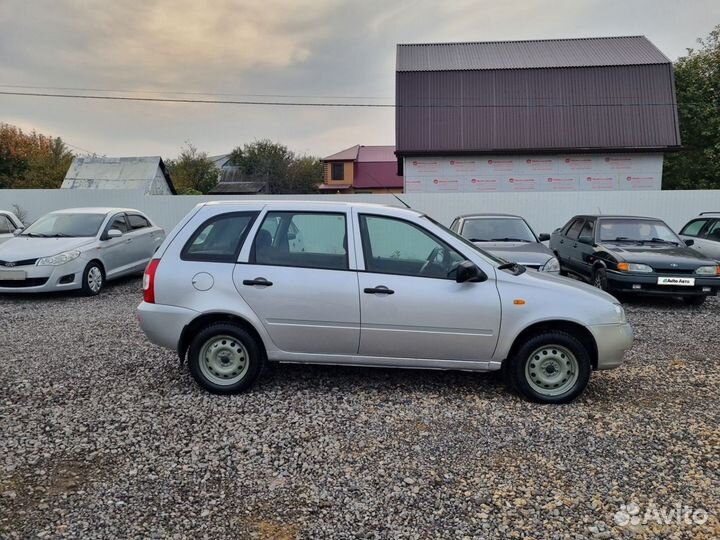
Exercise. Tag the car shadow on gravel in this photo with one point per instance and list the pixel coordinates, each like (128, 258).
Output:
(111, 287)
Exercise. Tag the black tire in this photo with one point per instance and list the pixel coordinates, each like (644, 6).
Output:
(92, 273)
(694, 300)
(519, 373)
(599, 279)
(207, 367)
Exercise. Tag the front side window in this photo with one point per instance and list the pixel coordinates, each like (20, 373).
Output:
(5, 225)
(302, 239)
(338, 171)
(497, 230)
(118, 222)
(65, 225)
(574, 230)
(694, 227)
(714, 232)
(393, 246)
(636, 230)
(588, 230)
(219, 239)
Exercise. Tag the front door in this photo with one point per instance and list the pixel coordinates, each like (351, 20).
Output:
(298, 281)
(411, 305)
(117, 252)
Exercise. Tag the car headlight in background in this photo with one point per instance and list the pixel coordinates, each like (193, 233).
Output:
(708, 271)
(620, 312)
(60, 258)
(634, 267)
(553, 265)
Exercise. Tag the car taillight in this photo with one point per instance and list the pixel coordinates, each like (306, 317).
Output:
(149, 281)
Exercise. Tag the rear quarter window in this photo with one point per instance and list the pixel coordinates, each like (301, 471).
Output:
(219, 239)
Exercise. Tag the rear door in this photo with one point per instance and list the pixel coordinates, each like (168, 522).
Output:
(411, 305)
(301, 282)
(144, 239)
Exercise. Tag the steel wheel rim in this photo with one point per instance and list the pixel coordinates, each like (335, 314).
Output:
(224, 360)
(598, 281)
(552, 370)
(94, 279)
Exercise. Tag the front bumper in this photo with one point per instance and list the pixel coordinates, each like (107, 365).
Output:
(44, 279)
(163, 325)
(630, 282)
(612, 341)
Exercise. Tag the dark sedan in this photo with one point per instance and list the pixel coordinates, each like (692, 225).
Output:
(627, 254)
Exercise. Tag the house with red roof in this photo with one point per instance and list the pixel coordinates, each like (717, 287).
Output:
(362, 169)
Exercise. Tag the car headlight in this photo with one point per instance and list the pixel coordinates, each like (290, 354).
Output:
(60, 258)
(553, 265)
(634, 267)
(620, 312)
(708, 271)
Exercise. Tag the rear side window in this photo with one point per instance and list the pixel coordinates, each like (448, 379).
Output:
(574, 230)
(694, 227)
(302, 239)
(219, 239)
(137, 222)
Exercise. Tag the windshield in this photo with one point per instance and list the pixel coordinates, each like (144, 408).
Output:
(636, 230)
(465, 241)
(497, 230)
(65, 225)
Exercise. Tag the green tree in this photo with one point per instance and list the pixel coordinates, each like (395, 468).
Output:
(274, 163)
(32, 160)
(192, 172)
(697, 80)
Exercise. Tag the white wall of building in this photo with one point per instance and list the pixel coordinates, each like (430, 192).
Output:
(529, 173)
(545, 211)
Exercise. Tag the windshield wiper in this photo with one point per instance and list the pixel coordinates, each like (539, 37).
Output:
(514, 267)
(59, 235)
(35, 235)
(657, 240)
(478, 240)
(508, 239)
(625, 239)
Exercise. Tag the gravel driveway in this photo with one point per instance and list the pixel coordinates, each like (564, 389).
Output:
(101, 435)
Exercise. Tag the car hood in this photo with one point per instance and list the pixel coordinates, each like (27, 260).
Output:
(21, 248)
(530, 253)
(661, 255)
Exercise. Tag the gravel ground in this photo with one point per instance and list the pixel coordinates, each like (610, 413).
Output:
(101, 435)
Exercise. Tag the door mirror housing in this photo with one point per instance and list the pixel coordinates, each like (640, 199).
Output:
(114, 233)
(689, 242)
(468, 272)
(589, 240)
(17, 231)
(543, 237)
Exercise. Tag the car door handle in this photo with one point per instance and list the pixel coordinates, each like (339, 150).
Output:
(380, 289)
(562, 241)
(575, 245)
(257, 281)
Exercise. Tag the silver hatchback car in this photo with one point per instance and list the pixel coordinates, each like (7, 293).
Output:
(78, 248)
(237, 284)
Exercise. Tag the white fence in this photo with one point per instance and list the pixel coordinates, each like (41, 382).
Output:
(544, 211)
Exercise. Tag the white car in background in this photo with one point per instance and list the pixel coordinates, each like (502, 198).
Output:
(78, 248)
(9, 223)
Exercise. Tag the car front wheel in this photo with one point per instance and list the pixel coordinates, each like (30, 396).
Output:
(550, 367)
(225, 359)
(93, 279)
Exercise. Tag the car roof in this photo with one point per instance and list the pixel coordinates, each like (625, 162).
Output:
(304, 204)
(94, 210)
(489, 215)
(614, 216)
(708, 214)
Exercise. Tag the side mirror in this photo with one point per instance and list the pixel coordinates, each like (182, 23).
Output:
(689, 242)
(114, 233)
(467, 272)
(17, 232)
(543, 237)
(589, 240)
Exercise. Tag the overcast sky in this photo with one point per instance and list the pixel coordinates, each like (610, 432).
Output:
(284, 47)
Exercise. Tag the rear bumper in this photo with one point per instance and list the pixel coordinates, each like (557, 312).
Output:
(612, 341)
(163, 325)
(648, 284)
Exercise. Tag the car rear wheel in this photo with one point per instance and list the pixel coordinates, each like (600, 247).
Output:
(93, 279)
(694, 300)
(550, 367)
(225, 359)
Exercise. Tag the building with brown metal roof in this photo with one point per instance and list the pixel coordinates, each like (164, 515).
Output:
(567, 114)
(362, 169)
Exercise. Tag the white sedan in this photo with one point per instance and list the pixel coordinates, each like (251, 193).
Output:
(79, 248)
(9, 223)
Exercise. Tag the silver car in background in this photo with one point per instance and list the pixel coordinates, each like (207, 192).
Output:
(9, 223)
(509, 237)
(78, 248)
(704, 232)
(237, 284)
